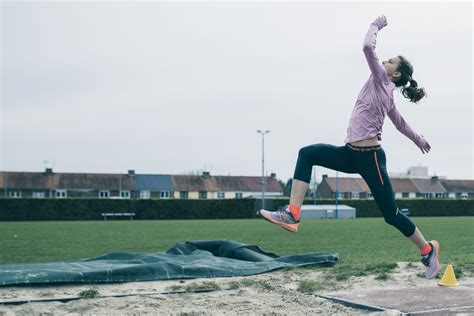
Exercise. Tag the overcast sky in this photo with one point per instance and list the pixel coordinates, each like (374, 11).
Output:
(172, 88)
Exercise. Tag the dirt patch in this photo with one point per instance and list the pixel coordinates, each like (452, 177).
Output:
(281, 292)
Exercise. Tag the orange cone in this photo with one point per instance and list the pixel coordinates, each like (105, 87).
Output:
(449, 279)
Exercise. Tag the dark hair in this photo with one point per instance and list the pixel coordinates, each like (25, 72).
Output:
(412, 91)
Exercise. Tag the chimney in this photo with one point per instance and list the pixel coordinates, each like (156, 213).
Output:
(273, 175)
(131, 173)
(48, 171)
(434, 178)
(206, 174)
(325, 176)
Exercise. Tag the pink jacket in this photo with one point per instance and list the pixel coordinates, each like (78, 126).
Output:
(375, 100)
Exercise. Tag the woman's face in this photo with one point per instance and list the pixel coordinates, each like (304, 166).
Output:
(391, 66)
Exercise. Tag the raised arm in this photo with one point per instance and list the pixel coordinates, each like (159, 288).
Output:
(406, 130)
(370, 40)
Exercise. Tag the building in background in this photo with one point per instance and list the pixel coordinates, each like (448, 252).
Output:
(403, 188)
(348, 188)
(430, 188)
(459, 189)
(206, 186)
(49, 184)
(419, 172)
(156, 186)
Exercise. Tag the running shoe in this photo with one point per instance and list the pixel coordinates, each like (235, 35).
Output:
(281, 217)
(431, 260)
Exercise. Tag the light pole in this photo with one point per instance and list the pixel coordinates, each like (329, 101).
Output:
(314, 185)
(263, 165)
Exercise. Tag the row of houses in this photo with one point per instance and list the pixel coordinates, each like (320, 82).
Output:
(49, 184)
(409, 188)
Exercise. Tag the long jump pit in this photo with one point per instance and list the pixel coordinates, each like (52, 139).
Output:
(405, 292)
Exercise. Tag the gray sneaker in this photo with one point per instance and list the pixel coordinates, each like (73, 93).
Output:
(431, 260)
(281, 217)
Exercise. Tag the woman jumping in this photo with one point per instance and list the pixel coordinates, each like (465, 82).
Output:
(362, 152)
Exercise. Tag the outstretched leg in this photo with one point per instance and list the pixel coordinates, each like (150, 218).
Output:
(374, 172)
(325, 155)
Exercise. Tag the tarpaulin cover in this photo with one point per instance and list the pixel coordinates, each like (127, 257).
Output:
(186, 260)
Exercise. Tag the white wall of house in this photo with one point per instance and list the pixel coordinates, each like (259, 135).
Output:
(165, 194)
(61, 194)
(228, 194)
(193, 195)
(38, 195)
(125, 194)
(14, 194)
(242, 194)
(145, 194)
(258, 194)
(355, 195)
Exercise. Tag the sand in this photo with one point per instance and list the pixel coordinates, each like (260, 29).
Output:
(274, 293)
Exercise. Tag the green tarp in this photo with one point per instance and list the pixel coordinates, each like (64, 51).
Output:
(187, 260)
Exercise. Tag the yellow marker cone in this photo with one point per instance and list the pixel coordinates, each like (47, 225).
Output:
(449, 279)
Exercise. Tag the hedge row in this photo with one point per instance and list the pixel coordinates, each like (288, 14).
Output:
(91, 209)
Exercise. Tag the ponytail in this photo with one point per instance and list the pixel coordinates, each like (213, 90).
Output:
(411, 92)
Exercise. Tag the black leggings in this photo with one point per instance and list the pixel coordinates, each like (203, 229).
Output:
(369, 162)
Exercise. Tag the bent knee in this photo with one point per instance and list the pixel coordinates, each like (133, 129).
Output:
(309, 150)
(391, 219)
(304, 151)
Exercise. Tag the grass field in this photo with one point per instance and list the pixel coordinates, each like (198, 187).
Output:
(361, 243)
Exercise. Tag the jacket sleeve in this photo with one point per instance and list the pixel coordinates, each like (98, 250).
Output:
(370, 40)
(404, 128)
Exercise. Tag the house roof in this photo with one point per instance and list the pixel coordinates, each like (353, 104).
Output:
(95, 181)
(224, 183)
(154, 182)
(247, 183)
(40, 180)
(428, 185)
(347, 184)
(403, 185)
(28, 180)
(458, 185)
(398, 185)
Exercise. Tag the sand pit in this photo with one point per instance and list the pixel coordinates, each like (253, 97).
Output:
(270, 293)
